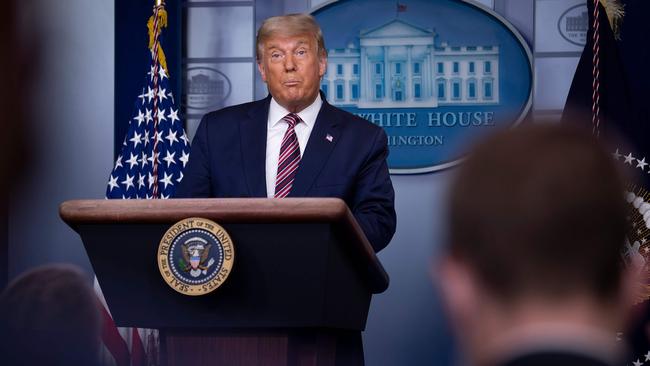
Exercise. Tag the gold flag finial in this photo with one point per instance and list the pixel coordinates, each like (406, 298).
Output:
(615, 13)
(162, 22)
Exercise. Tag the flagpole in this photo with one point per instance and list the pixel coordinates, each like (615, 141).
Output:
(155, 69)
(595, 109)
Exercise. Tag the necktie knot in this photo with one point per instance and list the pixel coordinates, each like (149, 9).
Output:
(292, 119)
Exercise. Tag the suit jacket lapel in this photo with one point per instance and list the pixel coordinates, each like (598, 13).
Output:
(253, 147)
(319, 148)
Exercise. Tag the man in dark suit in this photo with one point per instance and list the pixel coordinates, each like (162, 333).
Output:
(293, 143)
(533, 274)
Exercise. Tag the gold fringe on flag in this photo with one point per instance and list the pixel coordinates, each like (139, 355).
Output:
(162, 22)
(615, 13)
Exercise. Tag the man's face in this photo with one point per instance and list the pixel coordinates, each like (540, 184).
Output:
(292, 68)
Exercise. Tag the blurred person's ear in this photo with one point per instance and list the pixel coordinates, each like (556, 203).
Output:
(459, 290)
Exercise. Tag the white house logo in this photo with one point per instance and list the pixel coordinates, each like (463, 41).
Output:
(206, 88)
(574, 23)
(434, 74)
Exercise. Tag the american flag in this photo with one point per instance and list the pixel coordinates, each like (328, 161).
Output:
(149, 166)
(156, 148)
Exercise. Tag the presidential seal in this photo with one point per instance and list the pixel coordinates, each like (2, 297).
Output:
(195, 256)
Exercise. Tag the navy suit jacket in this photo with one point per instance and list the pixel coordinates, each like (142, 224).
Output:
(228, 159)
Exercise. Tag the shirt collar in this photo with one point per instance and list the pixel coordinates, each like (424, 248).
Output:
(559, 337)
(308, 115)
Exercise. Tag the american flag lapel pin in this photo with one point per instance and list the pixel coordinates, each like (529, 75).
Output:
(329, 138)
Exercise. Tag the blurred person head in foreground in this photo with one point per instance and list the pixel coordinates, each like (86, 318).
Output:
(49, 316)
(533, 273)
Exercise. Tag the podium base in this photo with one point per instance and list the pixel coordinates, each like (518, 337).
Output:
(269, 347)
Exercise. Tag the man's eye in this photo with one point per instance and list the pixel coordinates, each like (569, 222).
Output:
(276, 55)
(301, 53)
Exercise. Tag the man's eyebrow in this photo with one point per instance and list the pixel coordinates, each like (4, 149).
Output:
(298, 44)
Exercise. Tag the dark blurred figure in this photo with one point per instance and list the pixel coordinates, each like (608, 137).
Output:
(16, 64)
(533, 274)
(17, 61)
(49, 316)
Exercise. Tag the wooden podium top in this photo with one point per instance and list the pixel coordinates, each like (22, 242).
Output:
(242, 210)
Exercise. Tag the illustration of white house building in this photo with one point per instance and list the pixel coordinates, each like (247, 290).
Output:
(399, 65)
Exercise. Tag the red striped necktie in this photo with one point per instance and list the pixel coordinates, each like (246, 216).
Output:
(289, 158)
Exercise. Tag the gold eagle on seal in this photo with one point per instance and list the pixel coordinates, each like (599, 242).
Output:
(195, 252)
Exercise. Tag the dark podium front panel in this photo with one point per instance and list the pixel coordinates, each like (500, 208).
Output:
(284, 275)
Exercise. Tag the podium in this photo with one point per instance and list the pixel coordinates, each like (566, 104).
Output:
(298, 293)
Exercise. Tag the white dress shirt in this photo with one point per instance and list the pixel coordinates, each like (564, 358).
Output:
(275, 131)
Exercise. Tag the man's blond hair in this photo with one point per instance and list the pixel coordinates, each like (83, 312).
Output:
(290, 25)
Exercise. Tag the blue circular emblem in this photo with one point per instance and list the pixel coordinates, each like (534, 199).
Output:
(436, 75)
(195, 256)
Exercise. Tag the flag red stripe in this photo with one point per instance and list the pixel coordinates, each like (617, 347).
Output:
(138, 357)
(113, 340)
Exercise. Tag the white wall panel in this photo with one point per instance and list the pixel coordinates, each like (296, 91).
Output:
(552, 33)
(553, 77)
(235, 84)
(219, 32)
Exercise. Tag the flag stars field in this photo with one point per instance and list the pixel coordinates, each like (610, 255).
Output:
(128, 182)
(141, 180)
(112, 183)
(162, 94)
(136, 139)
(147, 115)
(145, 138)
(173, 115)
(185, 140)
(133, 160)
(167, 180)
(150, 94)
(161, 116)
(169, 158)
(162, 73)
(171, 136)
(184, 159)
(630, 159)
(139, 117)
(158, 126)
